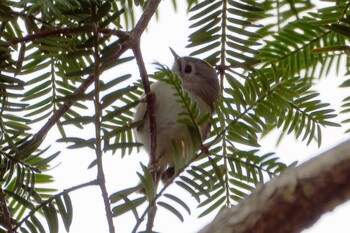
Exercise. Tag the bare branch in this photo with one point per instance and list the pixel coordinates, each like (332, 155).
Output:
(145, 18)
(293, 201)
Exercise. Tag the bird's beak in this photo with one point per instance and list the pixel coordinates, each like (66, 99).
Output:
(177, 57)
(177, 61)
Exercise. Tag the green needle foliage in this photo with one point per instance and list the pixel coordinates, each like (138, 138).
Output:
(268, 54)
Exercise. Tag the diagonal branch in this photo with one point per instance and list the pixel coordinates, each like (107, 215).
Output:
(144, 19)
(38, 138)
(293, 201)
(66, 31)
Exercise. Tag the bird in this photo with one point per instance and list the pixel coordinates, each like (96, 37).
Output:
(200, 80)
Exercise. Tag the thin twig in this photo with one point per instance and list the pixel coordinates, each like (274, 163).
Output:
(114, 32)
(152, 128)
(52, 198)
(98, 112)
(151, 216)
(135, 39)
(46, 33)
(240, 115)
(135, 36)
(66, 31)
(150, 104)
(145, 19)
(37, 139)
(135, 45)
(6, 212)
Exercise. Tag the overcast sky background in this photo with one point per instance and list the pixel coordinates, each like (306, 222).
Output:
(171, 30)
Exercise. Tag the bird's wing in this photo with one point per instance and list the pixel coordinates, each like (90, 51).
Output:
(142, 113)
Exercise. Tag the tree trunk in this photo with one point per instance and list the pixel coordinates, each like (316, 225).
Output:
(293, 201)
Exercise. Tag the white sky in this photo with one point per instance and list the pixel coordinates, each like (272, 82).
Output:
(89, 213)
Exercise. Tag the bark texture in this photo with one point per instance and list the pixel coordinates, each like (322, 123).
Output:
(293, 201)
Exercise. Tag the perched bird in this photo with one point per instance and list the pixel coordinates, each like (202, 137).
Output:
(200, 80)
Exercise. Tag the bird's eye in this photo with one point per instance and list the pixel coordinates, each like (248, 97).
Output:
(188, 69)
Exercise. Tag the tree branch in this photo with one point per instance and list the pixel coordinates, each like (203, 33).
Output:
(152, 128)
(6, 212)
(37, 139)
(293, 201)
(145, 19)
(135, 40)
(135, 37)
(98, 113)
(66, 31)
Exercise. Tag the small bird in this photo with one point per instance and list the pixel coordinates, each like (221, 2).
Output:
(200, 80)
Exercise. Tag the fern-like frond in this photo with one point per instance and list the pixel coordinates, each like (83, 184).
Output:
(24, 188)
(225, 32)
(297, 44)
(43, 64)
(233, 176)
(266, 99)
(280, 13)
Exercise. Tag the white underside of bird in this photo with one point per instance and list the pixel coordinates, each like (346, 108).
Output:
(167, 111)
